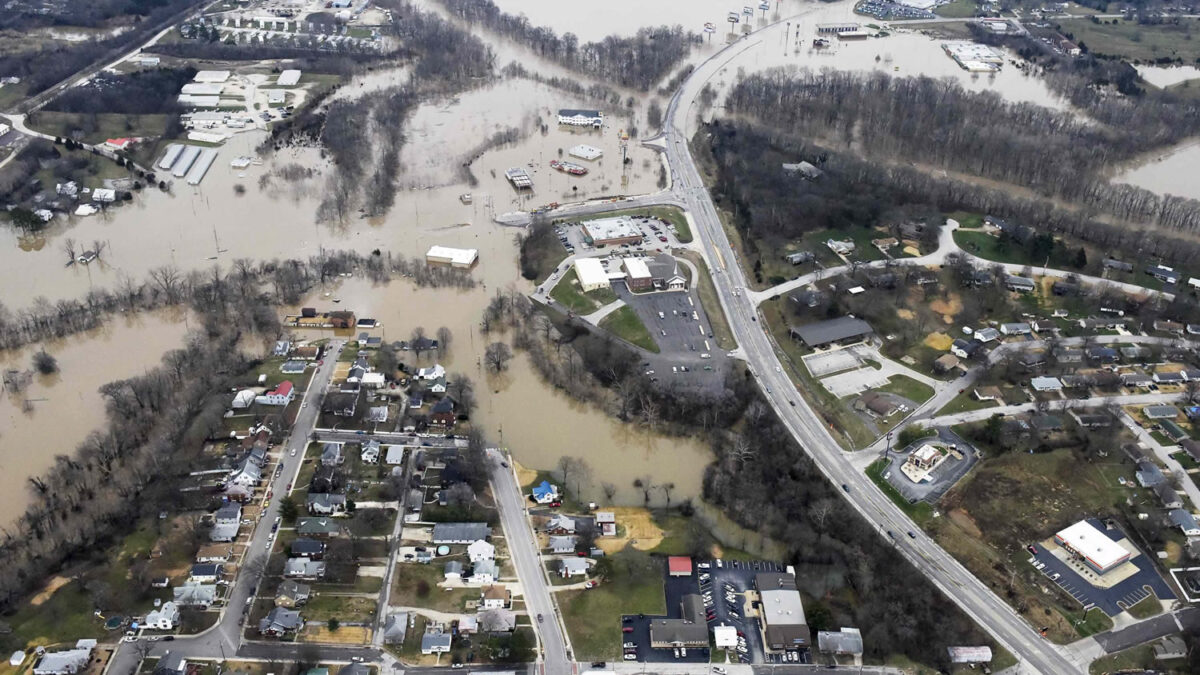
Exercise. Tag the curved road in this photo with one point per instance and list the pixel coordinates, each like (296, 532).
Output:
(976, 600)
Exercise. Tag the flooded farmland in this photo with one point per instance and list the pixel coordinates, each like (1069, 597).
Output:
(1169, 173)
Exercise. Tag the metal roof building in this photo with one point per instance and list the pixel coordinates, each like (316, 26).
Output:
(591, 274)
(834, 330)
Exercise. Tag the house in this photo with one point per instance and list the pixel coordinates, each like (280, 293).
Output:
(318, 527)
(497, 620)
(1148, 474)
(325, 504)
(173, 664)
(1185, 521)
(679, 566)
(1168, 496)
(435, 643)
(372, 380)
(1136, 380)
(1044, 326)
(840, 247)
(304, 547)
(394, 456)
(561, 524)
(1114, 264)
(395, 627)
(292, 367)
(432, 373)
(481, 550)
(246, 474)
(243, 399)
(1173, 431)
(331, 454)
(1160, 412)
(1046, 423)
(66, 662)
(1169, 378)
(1015, 329)
(842, 330)
(986, 335)
(342, 319)
(442, 413)
(163, 618)
(987, 393)
(214, 553)
(370, 452)
(1192, 448)
(160, 582)
(120, 143)
(304, 568)
(195, 595)
(1019, 284)
(238, 493)
(1063, 288)
(965, 349)
(1169, 327)
(945, 363)
(280, 621)
(460, 533)
(1032, 360)
(606, 521)
(1091, 421)
(563, 544)
(1101, 354)
(1077, 381)
(453, 571)
(416, 398)
(1046, 384)
(800, 257)
(484, 572)
(573, 567)
(205, 573)
(292, 593)
(877, 404)
(1163, 273)
(545, 492)
(1070, 356)
(341, 403)
(229, 514)
(282, 394)
(581, 118)
(846, 642)
(306, 353)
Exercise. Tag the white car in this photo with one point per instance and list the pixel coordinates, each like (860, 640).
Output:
(293, 452)
(631, 657)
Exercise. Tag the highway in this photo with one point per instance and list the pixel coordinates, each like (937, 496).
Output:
(975, 599)
(525, 556)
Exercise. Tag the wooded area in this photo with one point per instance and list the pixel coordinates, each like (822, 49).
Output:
(142, 92)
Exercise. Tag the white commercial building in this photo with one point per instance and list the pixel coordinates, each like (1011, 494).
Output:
(276, 96)
(203, 88)
(585, 152)
(288, 78)
(195, 101)
(211, 76)
(580, 118)
(454, 257)
(1099, 551)
(614, 231)
(591, 274)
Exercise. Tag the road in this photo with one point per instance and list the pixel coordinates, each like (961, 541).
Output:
(972, 596)
(223, 640)
(523, 549)
(389, 438)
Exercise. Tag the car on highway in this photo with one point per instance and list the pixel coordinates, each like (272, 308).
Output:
(845, 488)
(357, 659)
(912, 535)
(540, 620)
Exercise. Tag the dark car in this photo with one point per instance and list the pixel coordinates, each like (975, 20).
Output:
(912, 535)
(845, 488)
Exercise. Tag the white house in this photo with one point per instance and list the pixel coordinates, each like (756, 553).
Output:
(243, 399)
(431, 373)
(485, 572)
(580, 118)
(395, 455)
(1046, 384)
(284, 394)
(370, 452)
(163, 618)
(480, 550)
(372, 380)
(493, 597)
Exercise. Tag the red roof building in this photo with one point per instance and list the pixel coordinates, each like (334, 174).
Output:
(679, 566)
(120, 143)
(284, 389)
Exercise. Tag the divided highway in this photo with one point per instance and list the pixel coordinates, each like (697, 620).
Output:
(976, 600)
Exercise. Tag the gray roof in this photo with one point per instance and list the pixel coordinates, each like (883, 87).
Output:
(303, 567)
(453, 567)
(195, 594)
(280, 620)
(573, 565)
(395, 627)
(317, 526)
(326, 501)
(562, 543)
(293, 589)
(223, 532)
(1182, 519)
(432, 640)
(460, 532)
(833, 330)
(228, 512)
(845, 641)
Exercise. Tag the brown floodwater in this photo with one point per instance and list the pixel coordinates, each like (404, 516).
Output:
(56, 412)
(1172, 172)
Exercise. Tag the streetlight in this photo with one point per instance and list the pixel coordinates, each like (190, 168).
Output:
(888, 449)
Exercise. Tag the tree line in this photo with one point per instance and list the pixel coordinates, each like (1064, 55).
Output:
(138, 93)
(638, 62)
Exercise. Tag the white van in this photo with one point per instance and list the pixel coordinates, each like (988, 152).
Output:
(706, 355)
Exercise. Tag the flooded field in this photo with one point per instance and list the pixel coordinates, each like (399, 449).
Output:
(1171, 173)
(55, 412)
(1163, 76)
(537, 423)
(624, 17)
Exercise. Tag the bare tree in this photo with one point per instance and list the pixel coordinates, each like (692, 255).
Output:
(443, 337)
(646, 485)
(497, 356)
(417, 341)
(610, 491)
(68, 247)
(666, 488)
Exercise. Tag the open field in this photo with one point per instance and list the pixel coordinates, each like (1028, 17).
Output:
(593, 617)
(903, 385)
(1136, 42)
(958, 9)
(416, 585)
(625, 324)
(965, 402)
(98, 128)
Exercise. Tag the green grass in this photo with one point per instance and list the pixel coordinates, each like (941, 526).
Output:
(1137, 659)
(991, 248)
(568, 293)
(65, 616)
(1185, 460)
(1129, 40)
(1145, 609)
(903, 385)
(966, 220)
(625, 324)
(408, 577)
(921, 512)
(964, 402)
(593, 617)
(106, 125)
(324, 607)
(959, 9)
(1091, 623)
(718, 324)
(11, 95)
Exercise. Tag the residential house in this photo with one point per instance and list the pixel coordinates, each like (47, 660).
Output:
(370, 452)
(840, 247)
(416, 399)
(280, 621)
(1168, 327)
(606, 521)
(318, 527)
(453, 571)
(460, 533)
(1046, 384)
(1168, 496)
(1168, 378)
(563, 544)
(1136, 380)
(1192, 448)
(214, 553)
(246, 474)
(1163, 273)
(292, 367)
(304, 547)
(165, 617)
(1077, 381)
(205, 573)
(1043, 326)
(1185, 521)
(395, 455)
(1032, 360)
(484, 572)
(325, 504)
(1148, 474)
(988, 394)
(67, 662)
(341, 403)
(395, 627)
(495, 621)
(800, 257)
(573, 567)
(846, 642)
(331, 454)
(195, 595)
(1063, 288)
(1098, 323)
(1117, 265)
(1160, 412)
(1173, 431)
(1015, 329)
(1101, 354)
(965, 349)
(945, 363)
(342, 319)
(442, 413)
(292, 593)
(432, 373)
(306, 353)
(561, 524)
(1070, 356)
(495, 596)
(282, 394)
(238, 493)
(243, 399)
(435, 643)
(229, 514)
(1019, 284)
(545, 493)
(877, 404)
(986, 335)
(304, 568)
(1091, 421)
(480, 550)
(437, 386)
(1046, 423)
(175, 664)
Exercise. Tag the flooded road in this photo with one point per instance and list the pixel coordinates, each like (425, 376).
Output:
(64, 408)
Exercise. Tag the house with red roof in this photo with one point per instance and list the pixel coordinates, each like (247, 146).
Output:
(280, 395)
(679, 566)
(120, 143)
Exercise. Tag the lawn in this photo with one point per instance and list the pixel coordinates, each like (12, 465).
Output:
(593, 617)
(959, 9)
(712, 306)
(965, 402)
(409, 591)
(1185, 460)
(104, 126)
(568, 293)
(988, 247)
(345, 609)
(903, 385)
(65, 616)
(1145, 609)
(1136, 659)
(625, 324)
(1130, 40)
(921, 512)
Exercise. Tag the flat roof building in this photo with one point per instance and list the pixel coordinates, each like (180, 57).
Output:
(288, 78)
(840, 330)
(462, 258)
(612, 231)
(1095, 547)
(591, 274)
(580, 118)
(781, 612)
(637, 274)
(211, 76)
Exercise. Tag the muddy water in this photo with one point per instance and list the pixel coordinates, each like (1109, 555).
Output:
(65, 407)
(537, 423)
(595, 21)
(1171, 173)
(1162, 76)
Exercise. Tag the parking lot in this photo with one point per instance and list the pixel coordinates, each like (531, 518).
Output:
(716, 584)
(1072, 578)
(941, 479)
(658, 236)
